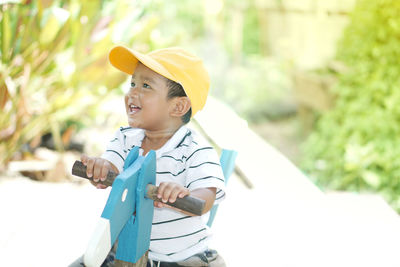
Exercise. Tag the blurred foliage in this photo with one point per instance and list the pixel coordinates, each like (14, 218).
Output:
(54, 69)
(258, 89)
(252, 32)
(256, 85)
(354, 146)
(178, 22)
(54, 72)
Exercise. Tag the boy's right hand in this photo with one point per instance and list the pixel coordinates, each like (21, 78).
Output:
(97, 168)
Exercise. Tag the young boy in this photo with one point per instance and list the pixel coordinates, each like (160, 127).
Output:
(168, 87)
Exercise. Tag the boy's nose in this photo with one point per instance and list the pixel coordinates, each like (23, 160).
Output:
(133, 91)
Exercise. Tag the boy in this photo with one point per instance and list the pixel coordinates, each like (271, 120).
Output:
(168, 87)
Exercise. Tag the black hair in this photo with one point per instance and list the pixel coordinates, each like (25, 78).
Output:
(176, 90)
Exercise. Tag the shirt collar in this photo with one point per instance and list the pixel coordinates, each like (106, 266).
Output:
(137, 137)
(173, 142)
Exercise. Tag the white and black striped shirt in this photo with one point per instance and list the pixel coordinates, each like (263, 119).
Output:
(186, 159)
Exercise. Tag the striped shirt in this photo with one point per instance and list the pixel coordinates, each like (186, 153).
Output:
(186, 159)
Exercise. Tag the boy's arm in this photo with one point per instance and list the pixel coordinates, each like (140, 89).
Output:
(117, 150)
(207, 194)
(169, 192)
(111, 160)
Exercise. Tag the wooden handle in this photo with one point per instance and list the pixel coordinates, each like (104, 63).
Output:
(190, 204)
(79, 169)
(187, 203)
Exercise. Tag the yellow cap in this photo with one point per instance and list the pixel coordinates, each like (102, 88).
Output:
(173, 63)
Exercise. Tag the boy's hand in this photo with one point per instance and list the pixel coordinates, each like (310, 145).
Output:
(98, 169)
(168, 192)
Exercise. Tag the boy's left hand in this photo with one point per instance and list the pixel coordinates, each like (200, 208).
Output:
(168, 192)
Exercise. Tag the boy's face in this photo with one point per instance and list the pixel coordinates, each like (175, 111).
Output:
(146, 103)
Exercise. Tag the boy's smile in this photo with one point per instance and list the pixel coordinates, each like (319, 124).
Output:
(132, 109)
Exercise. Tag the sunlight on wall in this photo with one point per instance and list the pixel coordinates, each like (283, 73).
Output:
(213, 7)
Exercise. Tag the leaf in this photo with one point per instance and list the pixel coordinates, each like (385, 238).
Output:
(371, 178)
(4, 95)
(53, 20)
(5, 35)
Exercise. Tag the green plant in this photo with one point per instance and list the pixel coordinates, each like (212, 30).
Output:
(54, 66)
(354, 146)
(258, 89)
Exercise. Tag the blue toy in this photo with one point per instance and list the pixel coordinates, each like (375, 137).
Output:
(128, 213)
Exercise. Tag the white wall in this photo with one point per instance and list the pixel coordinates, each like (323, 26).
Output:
(305, 31)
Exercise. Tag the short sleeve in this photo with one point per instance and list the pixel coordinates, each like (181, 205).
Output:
(204, 170)
(116, 152)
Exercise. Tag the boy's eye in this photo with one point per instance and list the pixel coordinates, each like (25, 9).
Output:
(145, 85)
(132, 84)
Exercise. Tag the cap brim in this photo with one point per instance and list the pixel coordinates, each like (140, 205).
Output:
(126, 61)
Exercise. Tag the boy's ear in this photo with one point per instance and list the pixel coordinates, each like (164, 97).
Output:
(180, 106)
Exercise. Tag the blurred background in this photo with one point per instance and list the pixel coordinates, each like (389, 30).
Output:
(316, 79)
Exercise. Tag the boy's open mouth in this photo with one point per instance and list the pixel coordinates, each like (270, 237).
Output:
(133, 109)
